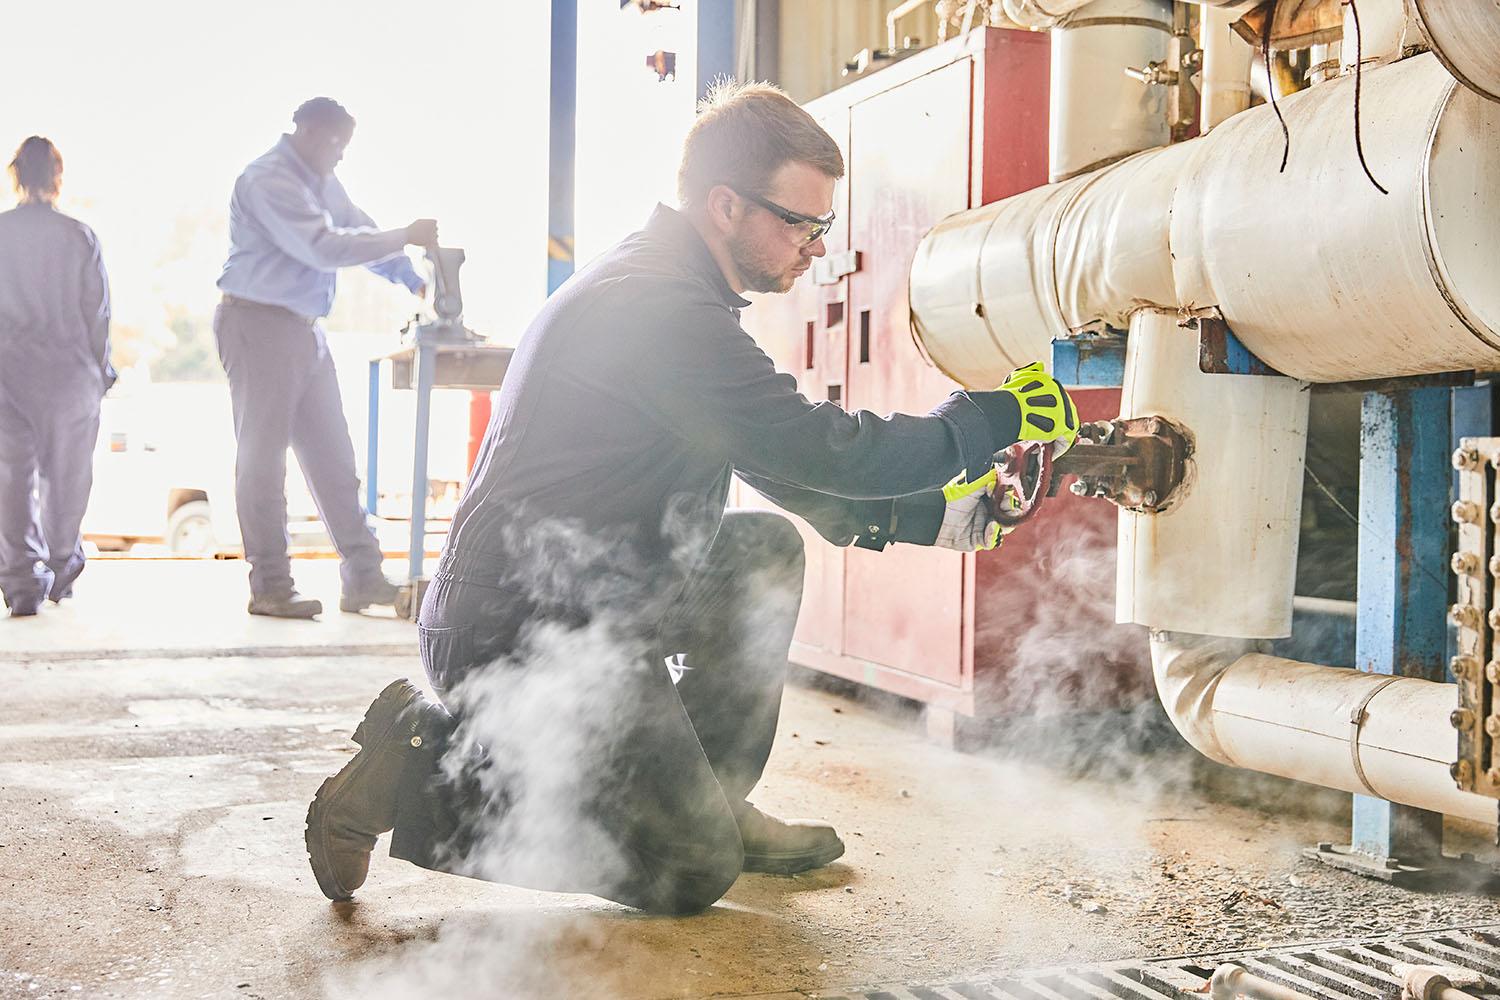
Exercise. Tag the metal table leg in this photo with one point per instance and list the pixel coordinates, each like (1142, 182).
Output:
(372, 443)
(425, 359)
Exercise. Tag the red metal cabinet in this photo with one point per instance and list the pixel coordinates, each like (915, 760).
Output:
(952, 127)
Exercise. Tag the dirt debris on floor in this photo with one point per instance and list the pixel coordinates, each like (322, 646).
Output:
(151, 846)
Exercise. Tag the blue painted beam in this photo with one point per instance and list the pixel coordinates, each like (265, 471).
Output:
(1404, 489)
(1090, 360)
(715, 42)
(562, 126)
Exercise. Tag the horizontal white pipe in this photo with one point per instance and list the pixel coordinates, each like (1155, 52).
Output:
(1246, 709)
(1230, 982)
(1465, 34)
(1050, 13)
(1319, 274)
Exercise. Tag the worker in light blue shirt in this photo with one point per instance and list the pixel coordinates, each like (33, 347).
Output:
(291, 227)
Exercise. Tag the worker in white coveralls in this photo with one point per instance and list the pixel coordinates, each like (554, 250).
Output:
(291, 227)
(54, 370)
(608, 643)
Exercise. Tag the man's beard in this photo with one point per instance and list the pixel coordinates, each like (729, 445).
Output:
(757, 273)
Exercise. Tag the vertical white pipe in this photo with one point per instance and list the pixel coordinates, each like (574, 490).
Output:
(1097, 113)
(1221, 559)
(1226, 67)
(1382, 32)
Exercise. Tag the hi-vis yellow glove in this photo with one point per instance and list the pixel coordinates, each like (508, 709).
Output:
(1047, 413)
(969, 524)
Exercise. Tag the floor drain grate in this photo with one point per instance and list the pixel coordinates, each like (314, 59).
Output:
(1359, 969)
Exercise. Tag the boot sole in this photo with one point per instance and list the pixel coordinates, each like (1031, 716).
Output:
(307, 615)
(374, 728)
(792, 864)
(355, 607)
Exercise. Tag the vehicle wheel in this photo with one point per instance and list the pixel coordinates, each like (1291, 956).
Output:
(190, 531)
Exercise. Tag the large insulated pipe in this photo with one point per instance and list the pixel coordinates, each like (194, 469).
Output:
(1221, 557)
(1213, 576)
(1370, 734)
(1097, 114)
(1300, 263)
(1049, 13)
(1465, 34)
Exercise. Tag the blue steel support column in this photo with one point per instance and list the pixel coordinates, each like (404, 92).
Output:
(372, 442)
(1404, 489)
(425, 358)
(715, 42)
(561, 141)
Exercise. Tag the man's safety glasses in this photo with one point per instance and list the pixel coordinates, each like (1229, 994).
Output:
(809, 228)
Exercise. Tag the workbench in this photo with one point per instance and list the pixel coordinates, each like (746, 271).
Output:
(424, 365)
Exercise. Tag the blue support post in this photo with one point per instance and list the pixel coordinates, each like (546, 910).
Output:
(425, 359)
(561, 141)
(372, 442)
(1090, 360)
(1404, 490)
(715, 42)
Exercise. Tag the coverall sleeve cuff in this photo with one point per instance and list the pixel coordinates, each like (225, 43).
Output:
(919, 517)
(971, 430)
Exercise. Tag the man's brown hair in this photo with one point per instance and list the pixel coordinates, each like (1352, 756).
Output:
(744, 133)
(36, 169)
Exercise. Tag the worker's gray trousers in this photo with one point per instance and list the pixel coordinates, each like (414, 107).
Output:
(575, 758)
(49, 422)
(286, 394)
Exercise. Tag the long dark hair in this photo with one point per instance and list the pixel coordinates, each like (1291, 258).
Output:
(37, 169)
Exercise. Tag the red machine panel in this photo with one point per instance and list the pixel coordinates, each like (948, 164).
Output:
(908, 168)
(949, 128)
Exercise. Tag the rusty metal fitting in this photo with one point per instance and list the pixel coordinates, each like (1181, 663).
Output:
(1492, 672)
(1461, 718)
(1493, 618)
(1492, 725)
(1465, 616)
(1465, 512)
(1462, 772)
(1464, 563)
(1464, 667)
(1465, 459)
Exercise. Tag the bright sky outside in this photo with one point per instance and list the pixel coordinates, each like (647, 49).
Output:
(157, 106)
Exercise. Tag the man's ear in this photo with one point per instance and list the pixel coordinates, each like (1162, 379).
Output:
(722, 207)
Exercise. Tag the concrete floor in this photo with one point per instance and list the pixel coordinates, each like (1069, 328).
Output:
(151, 841)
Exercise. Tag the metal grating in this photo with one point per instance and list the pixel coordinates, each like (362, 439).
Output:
(1341, 970)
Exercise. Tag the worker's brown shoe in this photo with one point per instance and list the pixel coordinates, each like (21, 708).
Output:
(358, 804)
(785, 847)
(376, 591)
(288, 605)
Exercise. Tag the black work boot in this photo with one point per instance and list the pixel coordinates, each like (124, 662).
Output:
(785, 847)
(23, 605)
(358, 804)
(288, 605)
(376, 591)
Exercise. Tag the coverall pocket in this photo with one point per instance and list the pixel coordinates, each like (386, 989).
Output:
(447, 654)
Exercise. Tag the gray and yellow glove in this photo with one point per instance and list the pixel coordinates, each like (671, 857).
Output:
(969, 524)
(1047, 412)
